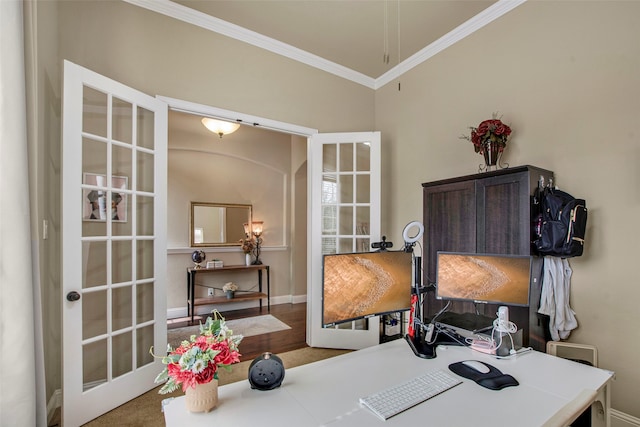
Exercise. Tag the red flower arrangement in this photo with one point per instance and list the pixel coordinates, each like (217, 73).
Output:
(196, 361)
(491, 131)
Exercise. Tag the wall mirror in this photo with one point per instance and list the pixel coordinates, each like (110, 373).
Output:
(217, 224)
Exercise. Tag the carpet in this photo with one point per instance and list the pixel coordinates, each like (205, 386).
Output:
(145, 410)
(247, 327)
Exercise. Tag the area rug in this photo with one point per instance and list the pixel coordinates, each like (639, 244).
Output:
(247, 327)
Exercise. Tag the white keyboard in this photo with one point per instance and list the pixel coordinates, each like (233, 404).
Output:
(395, 399)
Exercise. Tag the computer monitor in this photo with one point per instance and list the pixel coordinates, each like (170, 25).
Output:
(483, 278)
(361, 285)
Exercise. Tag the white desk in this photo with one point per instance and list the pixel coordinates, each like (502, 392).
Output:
(326, 393)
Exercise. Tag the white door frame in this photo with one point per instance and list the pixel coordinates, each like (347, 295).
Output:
(316, 335)
(233, 116)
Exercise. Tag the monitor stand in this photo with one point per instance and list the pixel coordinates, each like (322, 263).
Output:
(428, 351)
(421, 348)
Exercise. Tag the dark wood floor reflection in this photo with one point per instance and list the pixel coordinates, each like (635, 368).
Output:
(294, 315)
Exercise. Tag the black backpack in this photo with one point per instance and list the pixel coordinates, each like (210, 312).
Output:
(559, 224)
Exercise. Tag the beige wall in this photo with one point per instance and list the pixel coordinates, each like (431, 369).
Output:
(563, 74)
(566, 76)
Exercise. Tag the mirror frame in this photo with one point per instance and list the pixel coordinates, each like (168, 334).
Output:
(213, 205)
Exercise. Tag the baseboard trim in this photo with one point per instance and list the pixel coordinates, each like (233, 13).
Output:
(54, 403)
(298, 299)
(620, 419)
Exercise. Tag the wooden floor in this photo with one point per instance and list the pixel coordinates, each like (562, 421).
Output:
(294, 315)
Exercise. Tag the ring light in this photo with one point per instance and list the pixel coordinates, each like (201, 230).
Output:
(405, 232)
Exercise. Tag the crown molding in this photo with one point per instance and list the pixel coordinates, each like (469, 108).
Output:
(472, 25)
(194, 17)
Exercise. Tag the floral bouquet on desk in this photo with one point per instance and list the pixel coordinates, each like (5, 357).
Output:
(197, 360)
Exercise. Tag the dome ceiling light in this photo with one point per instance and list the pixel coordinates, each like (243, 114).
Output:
(219, 126)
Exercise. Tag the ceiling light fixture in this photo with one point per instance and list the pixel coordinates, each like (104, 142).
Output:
(220, 127)
(385, 36)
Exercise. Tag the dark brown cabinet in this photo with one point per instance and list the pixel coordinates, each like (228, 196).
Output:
(484, 213)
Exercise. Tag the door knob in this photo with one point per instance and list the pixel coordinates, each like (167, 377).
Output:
(73, 296)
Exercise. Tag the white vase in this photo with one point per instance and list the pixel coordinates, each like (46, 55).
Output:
(247, 259)
(202, 398)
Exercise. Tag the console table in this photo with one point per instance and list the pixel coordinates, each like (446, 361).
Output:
(327, 392)
(193, 302)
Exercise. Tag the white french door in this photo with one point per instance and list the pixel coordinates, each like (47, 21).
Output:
(113, 241)
(344, 216)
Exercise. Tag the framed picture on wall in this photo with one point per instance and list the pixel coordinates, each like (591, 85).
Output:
(96, 207)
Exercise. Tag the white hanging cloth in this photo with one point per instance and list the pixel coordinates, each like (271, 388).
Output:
(554, 300)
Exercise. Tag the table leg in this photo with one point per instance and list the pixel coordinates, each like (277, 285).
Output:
(268, 289)
(191, 294)
(260, 286)
(188, 293)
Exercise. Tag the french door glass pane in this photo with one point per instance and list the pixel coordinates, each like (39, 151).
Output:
(329, 189)
(144, 259)
(92, 225)
(144, 216)
(329, 158)
(329, 219)
(328, 245)
(346, 220)
(121, 357)
(94, 262)
(122, 121)
(121, 256)
(94, 153)
(145, 134)
(345, 245)
(363, 157)
(94, 113)
(144, 302)
(145, 172)
(362, 220)
(363, 188)
(346, 188)
(346, 157)
(121, 301)
(363, 245)
(353, 325)
(122, 224)
(122, 162)
(94, 314)
(144, 341)
(94, 364)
